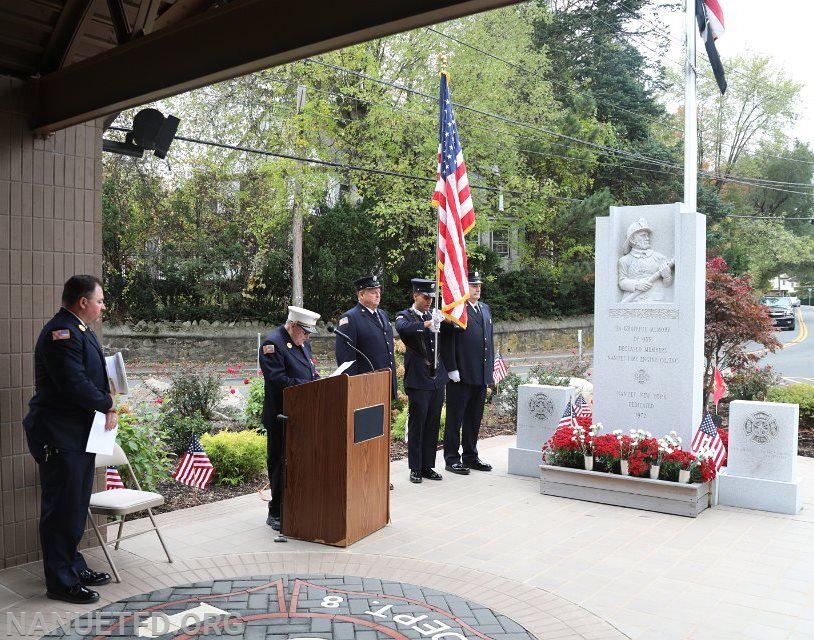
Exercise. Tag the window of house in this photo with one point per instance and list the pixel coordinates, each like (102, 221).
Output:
(500, 242)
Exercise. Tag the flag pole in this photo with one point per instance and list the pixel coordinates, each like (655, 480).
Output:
(690, 112)
(442, 69)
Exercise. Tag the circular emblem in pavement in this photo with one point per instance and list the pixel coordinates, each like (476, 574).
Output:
(760, 427)
(540, 406)
(296, 607)
(641, 376)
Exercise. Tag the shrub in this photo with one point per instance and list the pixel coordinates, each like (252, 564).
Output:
(194, 393)
(145, 446)
(238, 456)
(178, 429)
(752, 383)
(801, 394)
(506, 397)
(254, 406)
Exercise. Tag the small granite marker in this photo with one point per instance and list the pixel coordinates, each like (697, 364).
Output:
(539, 409)
(761, 471)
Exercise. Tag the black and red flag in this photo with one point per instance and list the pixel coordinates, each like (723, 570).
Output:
(710, 18)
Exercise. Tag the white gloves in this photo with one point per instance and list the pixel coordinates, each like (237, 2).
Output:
(437, 319)
(455, 376)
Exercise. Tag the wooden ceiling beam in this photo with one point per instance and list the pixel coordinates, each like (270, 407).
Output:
(65, 35)
(225, 42)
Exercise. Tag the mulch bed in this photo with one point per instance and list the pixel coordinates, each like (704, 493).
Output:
(180, 496)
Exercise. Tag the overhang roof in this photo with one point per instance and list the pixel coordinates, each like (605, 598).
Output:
(90, 58)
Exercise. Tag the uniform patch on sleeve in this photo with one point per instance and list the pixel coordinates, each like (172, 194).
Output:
(343, 320)
(61, 334)
(267, 349)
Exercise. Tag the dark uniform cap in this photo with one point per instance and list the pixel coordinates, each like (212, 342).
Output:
(421, 285)
(368, 282)
(475, 277)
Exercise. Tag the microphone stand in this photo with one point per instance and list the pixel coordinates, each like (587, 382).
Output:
(332, 329)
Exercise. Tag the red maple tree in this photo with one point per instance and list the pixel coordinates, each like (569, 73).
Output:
(734, 317)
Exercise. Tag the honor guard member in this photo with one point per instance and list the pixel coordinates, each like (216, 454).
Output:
(370, 331)
(70, 383)
(470, 363)
(423, 382)
(285, 359)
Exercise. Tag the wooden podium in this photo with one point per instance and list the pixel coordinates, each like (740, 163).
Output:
(337, 452)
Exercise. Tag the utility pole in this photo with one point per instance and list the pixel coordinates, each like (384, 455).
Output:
(296, 230)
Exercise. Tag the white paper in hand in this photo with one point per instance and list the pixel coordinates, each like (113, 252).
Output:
(342, 368)
(99, 440)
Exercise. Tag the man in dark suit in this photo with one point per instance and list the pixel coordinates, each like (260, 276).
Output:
(470, 363)
(71, 384)
(285, 358)
(369, 329)
(423, 382)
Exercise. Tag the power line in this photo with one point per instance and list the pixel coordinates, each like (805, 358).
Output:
(626, 154)
(349, 167)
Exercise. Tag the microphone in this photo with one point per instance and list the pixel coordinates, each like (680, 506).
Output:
(332, 329)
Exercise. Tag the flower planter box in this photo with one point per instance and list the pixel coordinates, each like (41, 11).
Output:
(625, 491)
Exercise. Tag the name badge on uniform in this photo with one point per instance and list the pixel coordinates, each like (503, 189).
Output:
(61, 334)
(267, 349)
(343, 321)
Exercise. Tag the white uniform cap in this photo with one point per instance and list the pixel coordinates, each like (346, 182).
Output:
(303, 317)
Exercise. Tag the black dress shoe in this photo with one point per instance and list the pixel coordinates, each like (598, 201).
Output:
(415, 476)
(457, 467)
(273, 522)
(431, 474)
(90, 578)
(76, 594)
(478, 465)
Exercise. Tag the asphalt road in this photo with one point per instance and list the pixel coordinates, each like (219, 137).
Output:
(795, 361)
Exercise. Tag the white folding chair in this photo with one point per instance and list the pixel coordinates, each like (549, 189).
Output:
(120, 503)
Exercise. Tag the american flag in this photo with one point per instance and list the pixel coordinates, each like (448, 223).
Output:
(194, 467)
(112, 479)
(582, 408)
(707, 437)
(456, 213)
(567, 419)
(500, 370)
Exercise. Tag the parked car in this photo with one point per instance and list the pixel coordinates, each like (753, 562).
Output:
(781, 311)
(795, 301)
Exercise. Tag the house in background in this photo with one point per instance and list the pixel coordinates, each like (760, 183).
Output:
(504, 239)
(784, 284)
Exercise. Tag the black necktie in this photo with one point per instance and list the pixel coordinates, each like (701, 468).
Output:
(378, 318)
(475, 307)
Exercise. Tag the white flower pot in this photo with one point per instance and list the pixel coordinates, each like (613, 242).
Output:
(683, 476)
(589, 463)
(625, 465)
(654, 472)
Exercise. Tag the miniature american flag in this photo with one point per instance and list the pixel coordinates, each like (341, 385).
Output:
(581, 407)
(500, 369)
(112, 479)
(194, 467)
(567, 419)
(707, 437)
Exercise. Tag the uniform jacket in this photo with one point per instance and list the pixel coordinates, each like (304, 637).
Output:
(284, 364)
(371, 338)
(420, 343)
(70, 382)
(473, 348)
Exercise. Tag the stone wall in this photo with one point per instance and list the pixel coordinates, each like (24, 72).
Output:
(150, 342)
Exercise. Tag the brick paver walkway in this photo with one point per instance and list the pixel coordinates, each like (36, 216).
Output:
(559, 568)
(275, 607)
